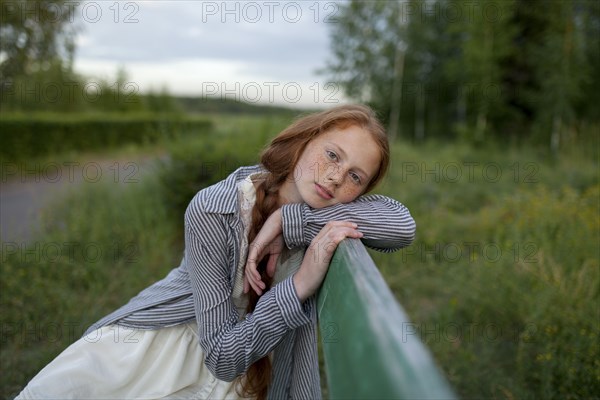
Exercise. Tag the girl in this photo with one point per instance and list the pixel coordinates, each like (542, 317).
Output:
(237, 318)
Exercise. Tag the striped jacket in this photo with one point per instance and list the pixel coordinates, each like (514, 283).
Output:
(200, 288)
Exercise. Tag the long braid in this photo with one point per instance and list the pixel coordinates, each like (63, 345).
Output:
(258, 376)
(267, 201)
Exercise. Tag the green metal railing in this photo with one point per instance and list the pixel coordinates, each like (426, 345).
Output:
(371, 349)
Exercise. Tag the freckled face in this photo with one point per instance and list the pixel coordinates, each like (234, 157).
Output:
(335, 167)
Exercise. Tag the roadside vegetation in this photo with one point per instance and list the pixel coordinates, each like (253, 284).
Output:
(502, 282)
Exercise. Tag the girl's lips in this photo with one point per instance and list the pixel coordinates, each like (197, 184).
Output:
(324, 193)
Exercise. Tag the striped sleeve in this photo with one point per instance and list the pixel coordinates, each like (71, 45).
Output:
(386, 224)
(230, 345)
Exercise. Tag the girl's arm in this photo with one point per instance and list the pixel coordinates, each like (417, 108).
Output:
(231, 346)
(386, 224)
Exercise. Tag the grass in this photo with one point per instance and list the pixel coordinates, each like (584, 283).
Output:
(502, 280)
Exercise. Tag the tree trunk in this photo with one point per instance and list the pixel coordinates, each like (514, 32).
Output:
(420, 116)
(555, 136)
(394, 128)
(481, 125)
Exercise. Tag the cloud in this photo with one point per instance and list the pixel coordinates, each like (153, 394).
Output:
(182, 45)
(177, 30)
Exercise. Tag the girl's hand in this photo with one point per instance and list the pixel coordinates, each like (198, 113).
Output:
(269, 241)
(316, 260)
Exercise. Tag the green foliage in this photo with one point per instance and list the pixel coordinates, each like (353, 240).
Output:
(34, 34)
(51, 87)
(472, 70)
(215, 105)
(161, 102)
(56, 89)
(23, 137)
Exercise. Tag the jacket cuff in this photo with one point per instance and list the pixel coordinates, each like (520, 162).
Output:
(294, 313)
(292, 224)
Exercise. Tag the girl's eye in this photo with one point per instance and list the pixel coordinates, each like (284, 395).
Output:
(332, 155)
(355, 177)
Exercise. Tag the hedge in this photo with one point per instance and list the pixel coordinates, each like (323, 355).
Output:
(25, 137)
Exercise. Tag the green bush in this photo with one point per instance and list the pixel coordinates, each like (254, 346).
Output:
(200, 161)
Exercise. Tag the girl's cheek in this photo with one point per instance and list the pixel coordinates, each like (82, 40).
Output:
(351, 191)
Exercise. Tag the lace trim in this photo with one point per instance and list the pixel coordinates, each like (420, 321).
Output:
(287, 264)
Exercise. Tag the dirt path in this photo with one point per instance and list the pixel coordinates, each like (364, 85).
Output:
(26, 189)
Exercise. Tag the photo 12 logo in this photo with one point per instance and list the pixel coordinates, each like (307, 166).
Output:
(452, 12)
(273, 92)
(470, 252)
(468, 171)
(53, 332)
(454, 332)
(69, 172)
(69, 252)
(269, 11)
(92, 12)
(70, 92)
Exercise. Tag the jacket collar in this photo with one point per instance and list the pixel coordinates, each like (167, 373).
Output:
(222, 196)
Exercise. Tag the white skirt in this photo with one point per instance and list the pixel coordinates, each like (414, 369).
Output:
(116, 362)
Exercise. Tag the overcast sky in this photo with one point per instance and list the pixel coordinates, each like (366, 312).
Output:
(261, 52)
